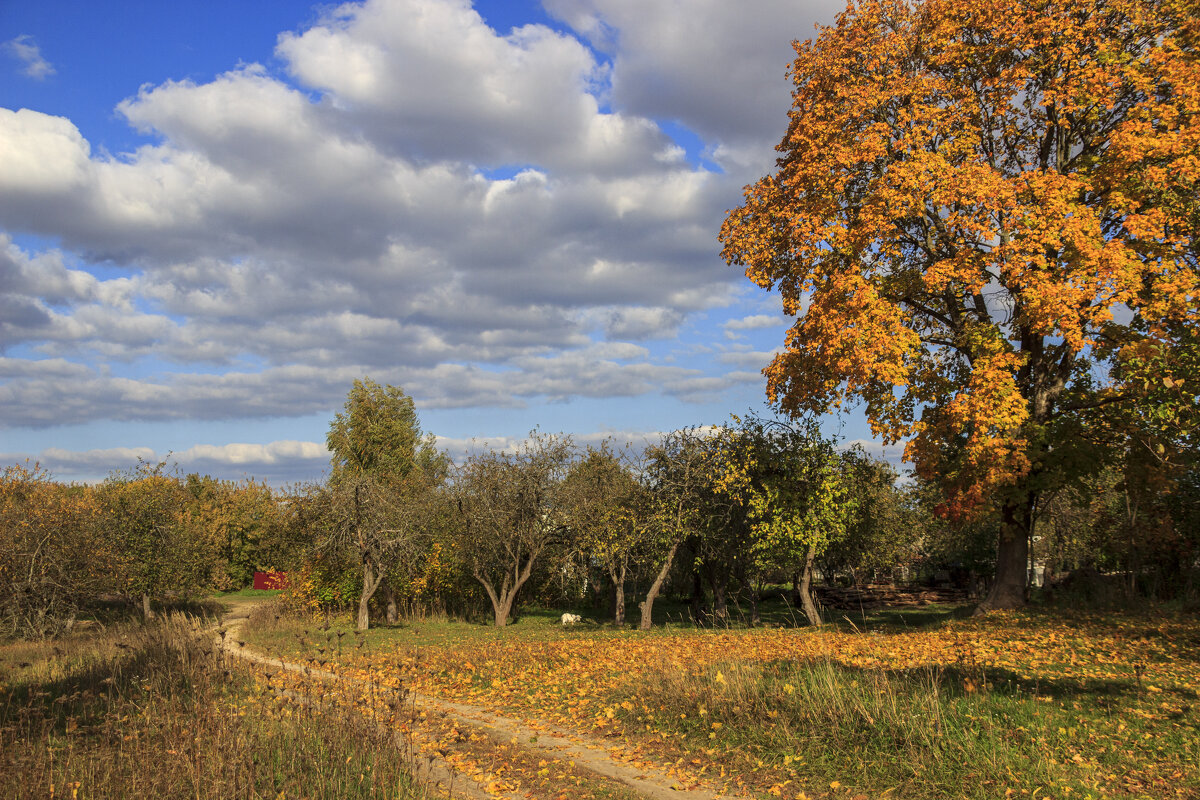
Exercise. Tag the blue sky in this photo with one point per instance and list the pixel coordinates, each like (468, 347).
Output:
(215, 215)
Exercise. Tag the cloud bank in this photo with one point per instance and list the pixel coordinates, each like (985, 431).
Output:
(490, 219)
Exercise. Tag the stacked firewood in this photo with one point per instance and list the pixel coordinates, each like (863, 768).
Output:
(879, 595)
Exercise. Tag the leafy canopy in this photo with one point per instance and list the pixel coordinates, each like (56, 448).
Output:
(377, 435)
(980, 210)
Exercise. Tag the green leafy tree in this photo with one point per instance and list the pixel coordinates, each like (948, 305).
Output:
(608, 515)
(677, 475)
(245, 523)
(146, 519)
(882, 534)
(721, 547)
(382, 472)
(797, 495)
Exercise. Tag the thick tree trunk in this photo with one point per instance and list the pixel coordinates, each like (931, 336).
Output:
(1010, 589)
(502, 610)
(502, 601)
(147, 611)
(805, 589)
(364, 611)
(647, 605)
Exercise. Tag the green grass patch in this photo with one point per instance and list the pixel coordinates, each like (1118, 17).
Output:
(259, 593)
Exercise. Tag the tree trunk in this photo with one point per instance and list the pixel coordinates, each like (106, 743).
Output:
(1131, 563)
(720, 605)
(1009, 590)
(618, 579)
(502, 611)
(147, 611)
(751, 586)
(364, 611)
(502, 601)
(696, 604)
(372, 577)
(389, 595)
(805, 590)
(647, 605)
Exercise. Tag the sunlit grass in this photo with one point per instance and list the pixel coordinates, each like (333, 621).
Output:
(157, 711)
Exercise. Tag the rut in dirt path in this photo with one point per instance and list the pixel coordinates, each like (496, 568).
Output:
(587, 752)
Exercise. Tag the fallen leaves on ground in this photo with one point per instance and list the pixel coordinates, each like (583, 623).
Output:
(597, 683)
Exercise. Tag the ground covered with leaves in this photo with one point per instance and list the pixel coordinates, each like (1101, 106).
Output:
(1031, 704)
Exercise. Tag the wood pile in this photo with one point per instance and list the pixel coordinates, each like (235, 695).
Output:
(878, 595)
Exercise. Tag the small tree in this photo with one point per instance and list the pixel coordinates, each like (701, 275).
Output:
(244, 523)
(147, 523)
(607, 514)
(677, 475)
(53, 558)
(797, 495)
(882, 533)
(382, 469)
(512, 509)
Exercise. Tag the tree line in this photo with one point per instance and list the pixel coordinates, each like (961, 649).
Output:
(718, 515)
(139, 536)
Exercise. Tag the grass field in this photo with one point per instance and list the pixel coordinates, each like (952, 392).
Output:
(916, 705)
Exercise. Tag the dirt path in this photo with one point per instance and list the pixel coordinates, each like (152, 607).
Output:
(608, 761)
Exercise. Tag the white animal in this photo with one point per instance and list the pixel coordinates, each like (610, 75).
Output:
(571, 619)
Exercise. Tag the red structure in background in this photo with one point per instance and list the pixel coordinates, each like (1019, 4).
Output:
(270, 580)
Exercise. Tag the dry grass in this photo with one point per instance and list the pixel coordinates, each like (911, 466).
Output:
(145, 711)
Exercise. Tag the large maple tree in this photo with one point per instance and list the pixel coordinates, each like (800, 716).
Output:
(982, 211)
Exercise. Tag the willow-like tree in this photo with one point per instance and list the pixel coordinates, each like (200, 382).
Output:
(383, 470)
(980, 212)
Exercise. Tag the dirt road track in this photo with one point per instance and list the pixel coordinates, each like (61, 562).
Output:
(549, 741)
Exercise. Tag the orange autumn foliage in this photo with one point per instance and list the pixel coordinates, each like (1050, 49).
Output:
(977, 210)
